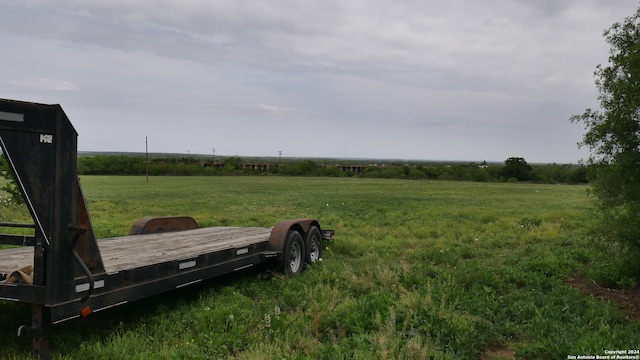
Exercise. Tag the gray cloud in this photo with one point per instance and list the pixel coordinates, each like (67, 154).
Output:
(460, 80)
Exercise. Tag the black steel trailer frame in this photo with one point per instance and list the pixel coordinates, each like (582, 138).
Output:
(70, 278)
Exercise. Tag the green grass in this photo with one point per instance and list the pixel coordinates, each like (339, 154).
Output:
(418, 269)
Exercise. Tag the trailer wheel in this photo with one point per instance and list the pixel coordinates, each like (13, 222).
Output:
(293, 254)
(314, 245)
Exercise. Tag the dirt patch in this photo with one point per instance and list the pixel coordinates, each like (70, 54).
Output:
(498, 353)
(627, 300)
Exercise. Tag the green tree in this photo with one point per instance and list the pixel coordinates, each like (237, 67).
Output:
(308, 167)
(232, 163)
(516, 168)
(10, 185)
(613, 136)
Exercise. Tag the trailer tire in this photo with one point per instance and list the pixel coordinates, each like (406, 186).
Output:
(293, 254)
(313, 244)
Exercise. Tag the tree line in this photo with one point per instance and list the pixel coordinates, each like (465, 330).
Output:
(513, 170)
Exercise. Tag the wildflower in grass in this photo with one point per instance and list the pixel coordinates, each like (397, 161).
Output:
(267, 320)
(276, 312)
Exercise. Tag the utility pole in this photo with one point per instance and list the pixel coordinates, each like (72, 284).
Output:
(279, 158)
(146, 157)
(214, 157)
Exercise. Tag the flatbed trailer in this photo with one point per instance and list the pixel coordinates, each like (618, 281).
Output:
(64, 272)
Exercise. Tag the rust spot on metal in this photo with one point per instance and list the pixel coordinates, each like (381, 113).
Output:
(153, 225)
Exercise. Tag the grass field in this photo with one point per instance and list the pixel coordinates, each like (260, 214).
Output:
(418, 270)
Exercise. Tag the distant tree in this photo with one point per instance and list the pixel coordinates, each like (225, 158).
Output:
(613, 137)
(516, 168)
(481, 175)
(308, 168)
(233, 163)
(289, 170)
(371, 172)
(333, 171)
(417, 173)
(579, 175)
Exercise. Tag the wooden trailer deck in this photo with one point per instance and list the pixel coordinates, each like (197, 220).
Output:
(135, 251)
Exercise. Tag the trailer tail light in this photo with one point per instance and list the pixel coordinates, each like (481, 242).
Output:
(327, 234)
(86, 311)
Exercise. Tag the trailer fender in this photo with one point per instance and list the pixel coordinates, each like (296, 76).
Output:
(278, 237)
(161, 224)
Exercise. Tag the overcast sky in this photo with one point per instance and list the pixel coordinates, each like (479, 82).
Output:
(427, 80)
